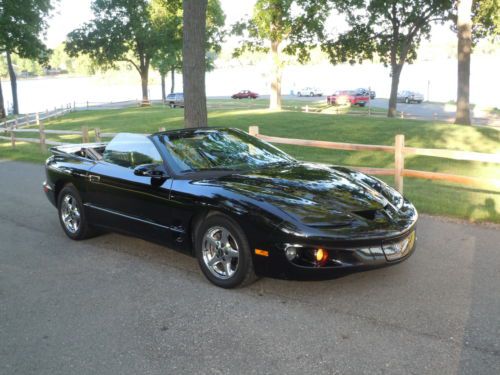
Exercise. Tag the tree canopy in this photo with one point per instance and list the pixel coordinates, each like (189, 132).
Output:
(122, 30)
(389, 29)
(167, 18)
(279, 27)
(22, 25)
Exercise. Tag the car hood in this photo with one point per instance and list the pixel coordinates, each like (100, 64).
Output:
(320, 196)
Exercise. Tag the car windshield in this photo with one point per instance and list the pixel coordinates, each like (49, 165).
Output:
(220, 149)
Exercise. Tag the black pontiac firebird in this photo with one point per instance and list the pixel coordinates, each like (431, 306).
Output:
(240, 205)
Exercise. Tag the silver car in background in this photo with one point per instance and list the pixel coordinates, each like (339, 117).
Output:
(175, 100)
(410, 97)
(309, 91)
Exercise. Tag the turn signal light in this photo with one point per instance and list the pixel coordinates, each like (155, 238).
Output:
(263, 253)
(321, 256)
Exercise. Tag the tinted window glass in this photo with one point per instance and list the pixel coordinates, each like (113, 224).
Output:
(131, 150)
(220, 149)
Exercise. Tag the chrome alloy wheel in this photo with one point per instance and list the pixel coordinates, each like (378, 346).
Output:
(70, 214)
(220, 252)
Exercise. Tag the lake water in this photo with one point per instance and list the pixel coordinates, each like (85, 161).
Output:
(434, 79)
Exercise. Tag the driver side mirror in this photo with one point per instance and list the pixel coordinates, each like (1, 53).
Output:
(154, 171)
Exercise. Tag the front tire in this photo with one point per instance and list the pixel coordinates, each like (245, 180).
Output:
(72, 214)
(223, 252)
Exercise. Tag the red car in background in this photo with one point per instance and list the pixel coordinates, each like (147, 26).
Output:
(245, 94)
(349, 97)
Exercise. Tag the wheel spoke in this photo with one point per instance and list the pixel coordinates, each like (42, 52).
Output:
(213, 261)
(232, 253)
(211, 242)
(224, 237)
(227, 267)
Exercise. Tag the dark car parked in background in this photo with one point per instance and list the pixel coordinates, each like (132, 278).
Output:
(370, 93)
(407, 96)
(175, 100)
(245, 94)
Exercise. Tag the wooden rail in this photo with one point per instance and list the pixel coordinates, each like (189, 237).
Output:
(42, 135)
(400, 150)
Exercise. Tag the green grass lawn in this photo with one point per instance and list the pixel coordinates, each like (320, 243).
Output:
(478, 203)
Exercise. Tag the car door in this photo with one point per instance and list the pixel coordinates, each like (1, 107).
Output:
(119, 199)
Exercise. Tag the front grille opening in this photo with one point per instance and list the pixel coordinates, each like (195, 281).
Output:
(367, 214)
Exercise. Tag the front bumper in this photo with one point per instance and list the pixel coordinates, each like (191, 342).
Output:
(342, 259)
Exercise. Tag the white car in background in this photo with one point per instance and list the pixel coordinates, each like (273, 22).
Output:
(309, 91)
(407, 96)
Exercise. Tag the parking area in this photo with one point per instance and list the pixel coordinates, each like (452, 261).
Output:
(119, 305)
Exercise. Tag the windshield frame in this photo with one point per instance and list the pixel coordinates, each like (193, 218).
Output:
(178, 171)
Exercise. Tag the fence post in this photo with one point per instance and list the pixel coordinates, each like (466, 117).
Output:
(399, 162)
(42, 136)
(37, 118)
(162, 129)
(12, 137)
(27, 119)
(402, 114)
(307, 108)
(87, 104)
(97, 133)
(15, 123)
(85, 134)
(253, 130)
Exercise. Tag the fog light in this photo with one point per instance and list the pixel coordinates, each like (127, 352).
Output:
(321, 256)
(291, 252)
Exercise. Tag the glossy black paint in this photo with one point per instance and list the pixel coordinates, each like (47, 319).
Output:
(303, 204)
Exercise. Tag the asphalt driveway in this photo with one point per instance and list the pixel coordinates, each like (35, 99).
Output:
(438, 111)
(118, 305)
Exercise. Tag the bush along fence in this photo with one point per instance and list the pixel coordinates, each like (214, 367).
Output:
(399, 150)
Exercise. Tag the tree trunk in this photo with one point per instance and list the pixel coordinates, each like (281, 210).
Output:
(163, 91)
(2, 106)
(144, 85)
(172, 80)
(464, 27)
(193, 68)
(275, 99)
(13, 84)
(396, 73)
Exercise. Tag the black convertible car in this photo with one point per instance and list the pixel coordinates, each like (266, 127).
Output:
(240, 205)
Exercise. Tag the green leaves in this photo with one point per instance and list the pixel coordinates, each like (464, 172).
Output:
(389, 29)
(297, 24)
(22, 24)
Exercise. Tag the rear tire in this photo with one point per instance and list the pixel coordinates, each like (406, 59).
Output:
(223, 252)
(72, 214)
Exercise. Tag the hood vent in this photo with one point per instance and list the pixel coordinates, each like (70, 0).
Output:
(367, 214)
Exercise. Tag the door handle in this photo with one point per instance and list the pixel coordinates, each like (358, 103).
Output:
(94, 178)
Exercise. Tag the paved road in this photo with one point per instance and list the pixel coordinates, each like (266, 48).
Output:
(117, 305)
(439, 111)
